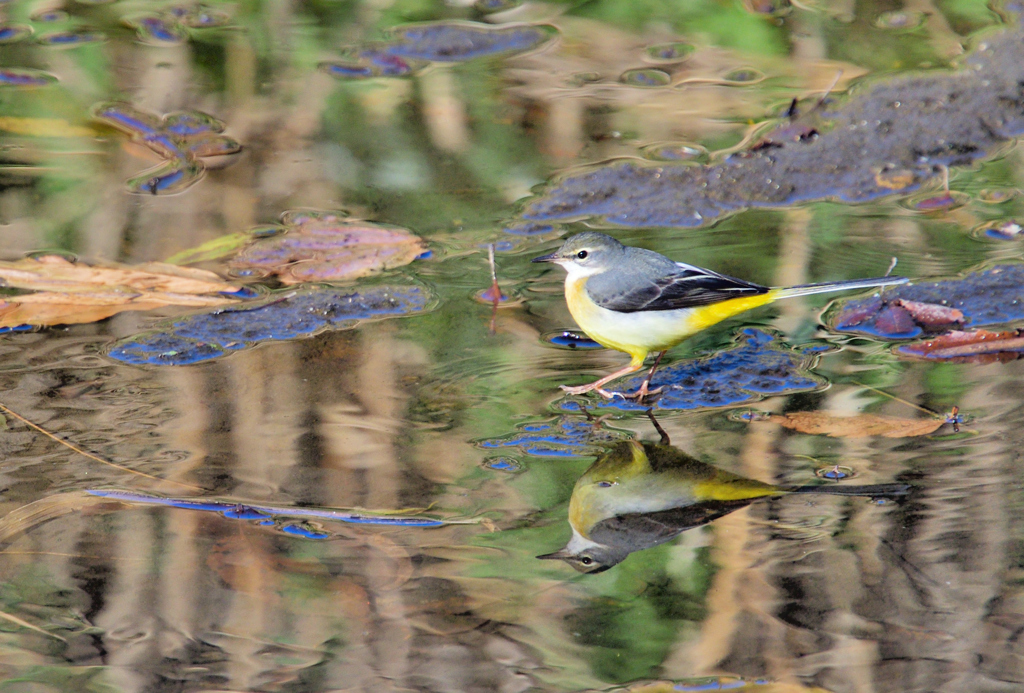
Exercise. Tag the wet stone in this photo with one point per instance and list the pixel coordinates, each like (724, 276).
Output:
(987, 297)
(890, 138)
(288, 315)
(756, 368)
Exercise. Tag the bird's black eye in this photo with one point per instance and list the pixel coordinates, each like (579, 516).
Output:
(582, 255)
(587, 560)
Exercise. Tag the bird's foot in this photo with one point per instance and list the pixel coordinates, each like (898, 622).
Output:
(641, 394)
(592, 387)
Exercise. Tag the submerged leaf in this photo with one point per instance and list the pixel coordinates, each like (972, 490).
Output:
(976, 346)
(330, 250)
(861, 426)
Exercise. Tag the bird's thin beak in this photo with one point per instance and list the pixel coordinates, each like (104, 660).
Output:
(550, 257)
(559, 555)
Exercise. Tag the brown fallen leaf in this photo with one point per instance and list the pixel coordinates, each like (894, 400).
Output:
(931, 314)
(55, 273)
(859, 426)
(976, 346)
(74, 292)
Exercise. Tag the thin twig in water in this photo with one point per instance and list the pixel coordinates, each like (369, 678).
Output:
(495, 290)
(894, 397)
(7, 410)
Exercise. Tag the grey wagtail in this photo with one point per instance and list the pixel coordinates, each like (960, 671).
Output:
(639, 495)
(639, 301)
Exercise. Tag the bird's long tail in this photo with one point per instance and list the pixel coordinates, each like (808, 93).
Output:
(849, 285)
(872, 490)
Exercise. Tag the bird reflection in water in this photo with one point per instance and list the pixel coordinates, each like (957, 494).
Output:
(639, 495)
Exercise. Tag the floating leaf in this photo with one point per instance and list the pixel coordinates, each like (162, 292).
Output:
(669, 52)
(9, 33)
(975, 346)
(157, 30)
(284, 315)
(457, 41)
(671, 151)
(490, 6)
(986, 297)
(1002, 230)
(900, 20)
(646, 77)
(410, 47)
(77, 293)
(71, 39)
(330, 250)
(861, 426)
(768, 8)
(566, 436)
(931, 202)
(755, 368)
(49, 16)
(24, 77)
(211, 250)
(890, 138)
(183, 138)
(169, 178)
(571, 340)
(743, 76)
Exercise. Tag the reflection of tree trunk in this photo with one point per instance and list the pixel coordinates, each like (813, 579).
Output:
(269, 406)
(443, 110)
(359, 424)
(563, 128)
(742, 591)
(130, 616)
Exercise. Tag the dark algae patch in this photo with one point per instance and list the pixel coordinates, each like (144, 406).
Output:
(291, 314)
(410, 47)
(756, 368)
(888, 138)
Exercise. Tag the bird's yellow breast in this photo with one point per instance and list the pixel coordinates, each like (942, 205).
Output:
(643, 332)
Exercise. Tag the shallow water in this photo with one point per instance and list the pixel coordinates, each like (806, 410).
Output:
(349, 493)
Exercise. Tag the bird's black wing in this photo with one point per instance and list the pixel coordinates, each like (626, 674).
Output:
(684, 287)
(643, 530)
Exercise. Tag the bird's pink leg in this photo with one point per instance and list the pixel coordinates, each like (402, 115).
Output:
(598, 385)
(644, 391)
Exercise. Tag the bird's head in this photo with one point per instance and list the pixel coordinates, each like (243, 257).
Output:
(593, 559)
(586, 254)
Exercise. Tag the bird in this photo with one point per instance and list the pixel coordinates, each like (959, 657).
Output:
(640, 302)
(640, 494)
